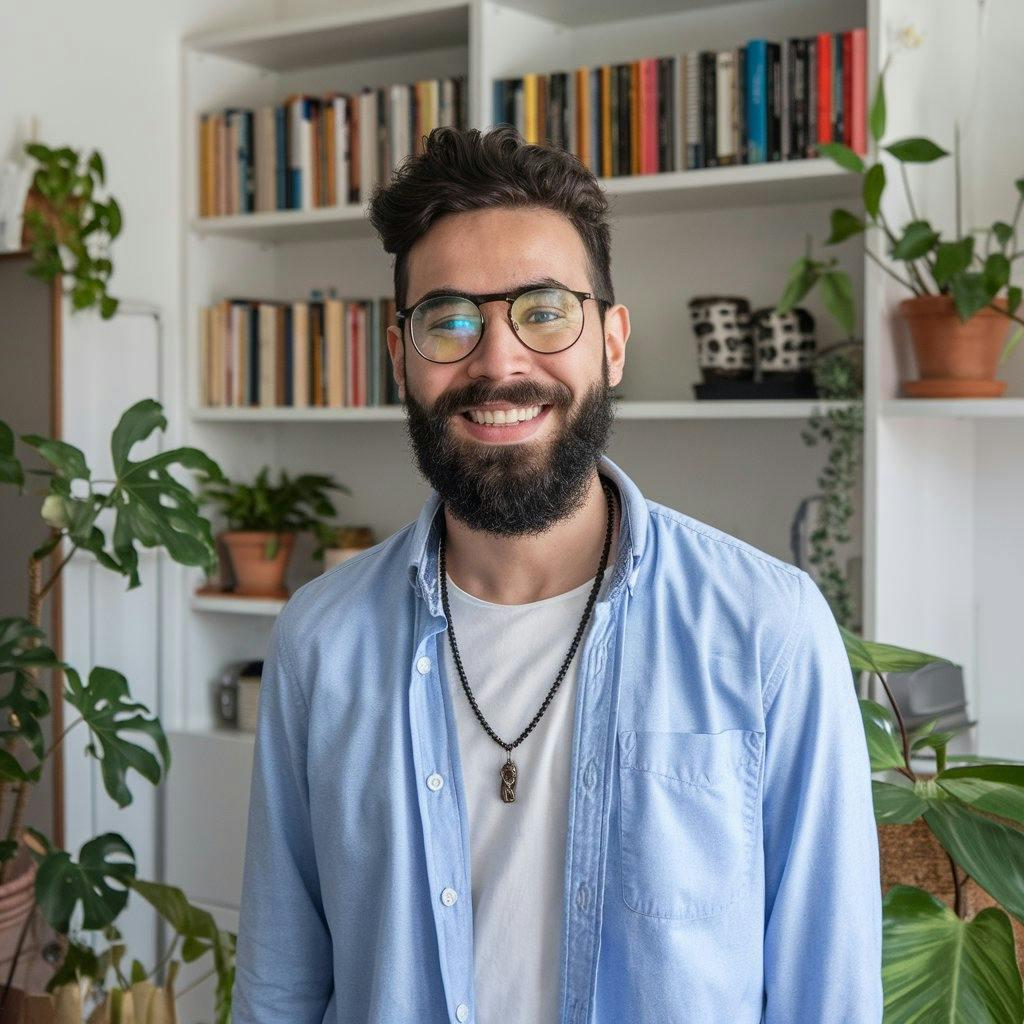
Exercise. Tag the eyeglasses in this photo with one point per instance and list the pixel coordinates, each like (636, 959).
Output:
(446, 328)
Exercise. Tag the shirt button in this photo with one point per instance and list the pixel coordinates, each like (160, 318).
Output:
(423, 666)
(448, 896)
(434, 781)
(462, 1012)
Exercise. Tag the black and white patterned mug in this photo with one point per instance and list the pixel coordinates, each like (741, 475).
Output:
(785, 341)
(725, 339)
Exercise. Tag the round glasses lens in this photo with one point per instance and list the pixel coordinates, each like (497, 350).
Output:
(548, 319)
(445, 327)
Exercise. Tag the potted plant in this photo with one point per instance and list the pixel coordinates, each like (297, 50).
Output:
(67, 228)
(941, 962)
(962, 298)
(153, 509)
(263, 520)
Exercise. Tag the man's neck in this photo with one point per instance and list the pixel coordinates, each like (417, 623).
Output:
(518, 570)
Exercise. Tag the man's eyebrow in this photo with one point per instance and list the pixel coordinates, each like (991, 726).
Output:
(540, 282)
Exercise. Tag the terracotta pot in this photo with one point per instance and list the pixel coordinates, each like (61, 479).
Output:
(35, 200)
(256, 575)
(962, 359)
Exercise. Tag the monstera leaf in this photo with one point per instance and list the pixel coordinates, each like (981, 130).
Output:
(151, 507)
(61, 883)
(936, 967)
(201, 934)
(101, 702)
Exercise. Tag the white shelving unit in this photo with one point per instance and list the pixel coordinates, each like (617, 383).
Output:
(938, 520)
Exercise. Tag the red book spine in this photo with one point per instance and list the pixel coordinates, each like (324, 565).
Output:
(858, 91)
(824, 87)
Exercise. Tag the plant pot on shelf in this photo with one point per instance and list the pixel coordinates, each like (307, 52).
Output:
(955, 359)
(35, 201)
(255, 574)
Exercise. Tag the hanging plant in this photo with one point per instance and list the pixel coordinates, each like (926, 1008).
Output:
(67, 228)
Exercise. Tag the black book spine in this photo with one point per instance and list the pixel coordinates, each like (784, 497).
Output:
(774, 102)
(812, 97)
(708, 99)
(613, 100)
(625, 119)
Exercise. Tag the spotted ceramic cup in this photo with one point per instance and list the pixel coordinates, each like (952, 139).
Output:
(785, 341)
(725, 341)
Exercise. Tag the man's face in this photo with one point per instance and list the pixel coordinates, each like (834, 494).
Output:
(509, 480)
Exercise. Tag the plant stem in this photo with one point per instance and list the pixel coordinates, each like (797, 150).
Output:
(889, 271)
(198, 981)
(56, 572)
(910, 263)
(957, 890)
(908, 771)
(17, 954)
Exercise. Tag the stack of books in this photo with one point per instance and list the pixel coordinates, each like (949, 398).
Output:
(318, 151)
(757, 103)
(317, 352)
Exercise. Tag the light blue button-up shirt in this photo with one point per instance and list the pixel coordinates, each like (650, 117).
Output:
(721, 851)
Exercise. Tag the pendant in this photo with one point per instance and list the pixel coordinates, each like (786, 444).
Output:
(508, 775)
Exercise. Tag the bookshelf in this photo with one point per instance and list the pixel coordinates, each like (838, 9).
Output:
(935, 521)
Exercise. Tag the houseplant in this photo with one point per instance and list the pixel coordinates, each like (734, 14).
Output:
(263, 520)
(937, 963)
(68, 228)
(153, 509)
(962, 297)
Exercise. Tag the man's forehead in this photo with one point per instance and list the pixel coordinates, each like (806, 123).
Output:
(497, 250)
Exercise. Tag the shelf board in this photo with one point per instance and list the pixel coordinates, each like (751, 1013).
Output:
(743, 185)
(757, 409)
(355, 35)
(955, 408)
(236, 605)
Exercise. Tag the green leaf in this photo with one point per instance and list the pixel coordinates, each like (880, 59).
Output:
(108, 307)
(990, 852)
(951, 258)
(105, 698)
(1013, 294)
(842, 155)
(1002, 231)
(11, 470)
(65, 458)
(996, 273)
(199, 930)
(876, 117)
(874, 185)
(153, 508)
(1020, 185)
(96, 164)
(868, 656)
(61, 884)
(885, 748)
(970, 293)
(896, 805)
(844, 224)
(936, 967)
(996, 788)
(916, 151)
(114, 220)
(918, 239)
(837, 293)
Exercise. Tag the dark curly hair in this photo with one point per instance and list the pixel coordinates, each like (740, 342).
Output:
(462, 169)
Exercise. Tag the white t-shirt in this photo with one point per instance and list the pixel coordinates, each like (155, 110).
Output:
(511, 655)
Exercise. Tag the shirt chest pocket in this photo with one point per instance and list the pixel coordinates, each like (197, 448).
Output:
(688, 803)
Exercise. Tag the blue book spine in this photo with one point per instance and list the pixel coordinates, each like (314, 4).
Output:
(757, 106)
(280, 136)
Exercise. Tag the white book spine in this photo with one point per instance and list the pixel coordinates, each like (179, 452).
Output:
(723, 105)
(341, 150)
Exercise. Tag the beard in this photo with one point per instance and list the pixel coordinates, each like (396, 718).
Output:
(512, 489)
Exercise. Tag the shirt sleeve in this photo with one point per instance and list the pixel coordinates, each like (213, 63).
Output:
(283, 954)
(823, 901)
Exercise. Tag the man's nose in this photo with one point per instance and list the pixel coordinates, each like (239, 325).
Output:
(499, 352)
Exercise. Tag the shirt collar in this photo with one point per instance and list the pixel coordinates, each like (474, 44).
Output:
(425, 537)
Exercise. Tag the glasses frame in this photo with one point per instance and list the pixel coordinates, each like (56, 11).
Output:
(478, 300)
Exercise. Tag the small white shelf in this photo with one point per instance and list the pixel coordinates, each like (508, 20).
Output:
(718, 409)
(266, 606)
(786, 181)
(955, 408)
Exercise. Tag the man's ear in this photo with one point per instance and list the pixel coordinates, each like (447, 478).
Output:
(397, 351)
(616, 334)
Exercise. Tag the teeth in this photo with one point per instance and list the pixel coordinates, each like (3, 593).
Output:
(504, 416)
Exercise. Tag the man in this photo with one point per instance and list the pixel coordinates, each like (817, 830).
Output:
(553, 752)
